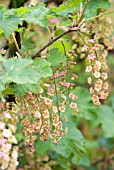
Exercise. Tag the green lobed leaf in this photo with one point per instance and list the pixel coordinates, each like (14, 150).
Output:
(111, 99)
(42, 146)
(69, 4)
(8, 90)
(72, 143)
(85, 104)
(9, 24)
(14, 63)
(20, 71)
(22, 89)
(44, 67)
(2, 7)
(106, 118)
(94, 5)
(85, 161)
(37, 15)
(65, 23)
(56, 57)
(21, 10)
(66, 8)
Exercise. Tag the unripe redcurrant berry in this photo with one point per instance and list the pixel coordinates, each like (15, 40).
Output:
(71, 66)
(72, 78)
(72, 58)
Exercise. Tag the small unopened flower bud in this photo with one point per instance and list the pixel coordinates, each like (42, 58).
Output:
(89, 80)
(91, 41)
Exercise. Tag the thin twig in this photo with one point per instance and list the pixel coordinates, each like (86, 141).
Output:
(51, 42)
(67, 62)
(27, 31)
(38, 54)
(64, 47)
(82, 37)
(15, 41)
(82, 13)
(98, 16)
(57, 101)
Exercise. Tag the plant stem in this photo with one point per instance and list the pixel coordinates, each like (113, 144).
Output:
(82, 37)
(38, 54)
(15, 41)
(67, 62)
(2, 41)
(64, 47)
(27, 31)
(92, 18)
(51, 42)
(82, 13)
(57, 101)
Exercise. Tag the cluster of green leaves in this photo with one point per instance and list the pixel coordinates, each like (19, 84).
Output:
(25, 74)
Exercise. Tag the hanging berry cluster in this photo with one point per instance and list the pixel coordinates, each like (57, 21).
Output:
(44, 112)
(8, 142)
(95, 50)
(98, 67)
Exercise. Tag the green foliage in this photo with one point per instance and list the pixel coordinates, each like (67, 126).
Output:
(20, 71)
(94, 6)
(37, 16)
(22, 89)
(73, 143)
(9, 24)
(2, 7)
(44, 67)
(1, 87)
(86, 108)
(21, 10)
(42, 146)
(107, 124)
(56, 57)
(66, 8)
(67, 23)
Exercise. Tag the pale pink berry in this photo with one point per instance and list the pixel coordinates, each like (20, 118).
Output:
(12, 139)
(2, 125)
(91, 90)
(84, 48)
(63, 96)
(91, 41)
(6, 148)
(7, 115)
(47, 85)
(89, 80)
(91, 57)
